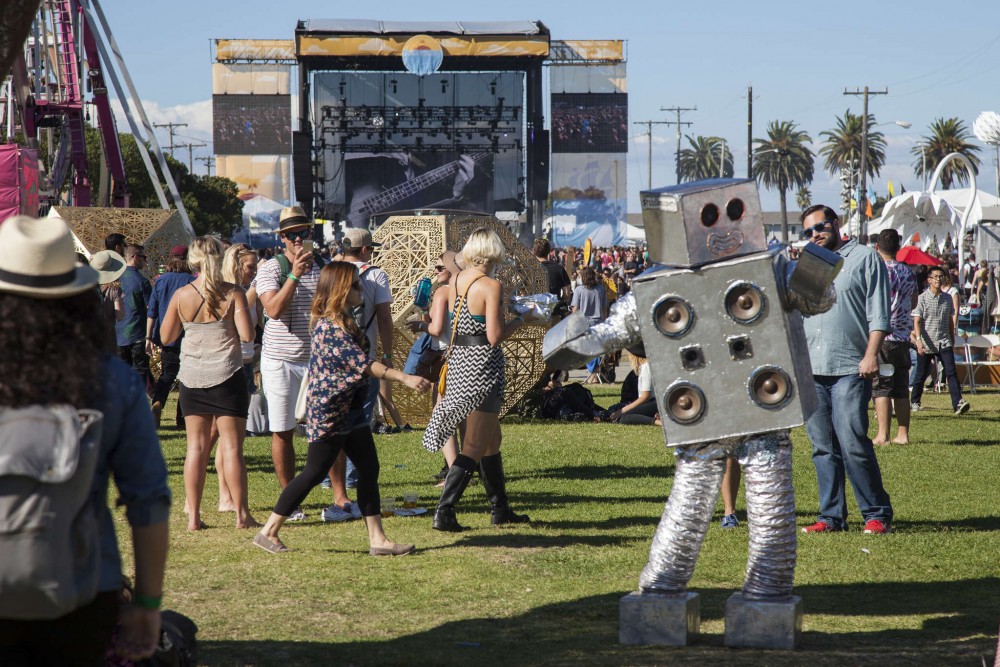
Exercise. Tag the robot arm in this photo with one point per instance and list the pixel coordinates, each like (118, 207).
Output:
(574, 341)
(809, 281)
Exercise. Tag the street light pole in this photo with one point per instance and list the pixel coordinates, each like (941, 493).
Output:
(863, 196)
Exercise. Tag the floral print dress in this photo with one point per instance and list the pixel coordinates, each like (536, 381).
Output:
(337, 385)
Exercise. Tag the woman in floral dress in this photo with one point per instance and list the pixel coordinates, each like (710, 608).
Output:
(335, 419)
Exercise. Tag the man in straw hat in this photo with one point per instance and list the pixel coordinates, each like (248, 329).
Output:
(110, 266)
(287, 285)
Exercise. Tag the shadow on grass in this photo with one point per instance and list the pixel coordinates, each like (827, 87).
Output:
(611, 471)
(585, 632)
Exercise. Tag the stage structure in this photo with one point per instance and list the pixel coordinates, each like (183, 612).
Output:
(420, 116)
(589, 120)
(410, 247)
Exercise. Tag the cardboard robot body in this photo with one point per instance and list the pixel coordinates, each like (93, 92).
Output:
(727, 359)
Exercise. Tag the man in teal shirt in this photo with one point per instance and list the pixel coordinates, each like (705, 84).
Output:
(843, 347)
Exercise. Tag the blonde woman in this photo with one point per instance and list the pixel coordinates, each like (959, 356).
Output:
(643, 409)
(215, 318)
(474, 383)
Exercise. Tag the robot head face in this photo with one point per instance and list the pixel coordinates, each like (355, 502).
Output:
(703, 222)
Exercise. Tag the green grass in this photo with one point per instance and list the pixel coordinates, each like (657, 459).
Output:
(548, 594)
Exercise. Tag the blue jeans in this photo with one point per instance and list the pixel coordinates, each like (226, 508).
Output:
(947, 358)
(838, 431)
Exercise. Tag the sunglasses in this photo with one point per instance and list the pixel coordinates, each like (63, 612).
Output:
(438, 268)
(296, 234)
(818, 228)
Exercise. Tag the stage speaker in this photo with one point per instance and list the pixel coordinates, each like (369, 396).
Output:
(540, 167)
(302, 168)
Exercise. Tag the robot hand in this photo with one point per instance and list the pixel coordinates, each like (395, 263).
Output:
(809, 281)
(574, 341)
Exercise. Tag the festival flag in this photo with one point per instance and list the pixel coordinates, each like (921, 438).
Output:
(868, 208)
(892, 192)
(902, 188)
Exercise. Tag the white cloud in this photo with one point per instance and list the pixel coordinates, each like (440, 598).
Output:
(197, 116)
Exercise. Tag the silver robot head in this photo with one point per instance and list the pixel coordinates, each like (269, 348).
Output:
(698, 223)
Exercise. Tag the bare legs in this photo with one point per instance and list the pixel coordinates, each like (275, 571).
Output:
(199, 435)
(730, 486)
(338, 480)
(884, 408)
(385, 395)
(283, 456)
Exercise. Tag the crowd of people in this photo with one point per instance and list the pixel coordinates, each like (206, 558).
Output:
(318, 325)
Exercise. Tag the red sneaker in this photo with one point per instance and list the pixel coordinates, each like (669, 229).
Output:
(876, 527)
(819, 527)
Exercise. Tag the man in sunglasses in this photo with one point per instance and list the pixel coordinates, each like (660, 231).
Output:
(130, 331)
(844, 343)
(287, 295)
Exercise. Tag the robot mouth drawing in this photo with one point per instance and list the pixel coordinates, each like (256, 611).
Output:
(724, 244)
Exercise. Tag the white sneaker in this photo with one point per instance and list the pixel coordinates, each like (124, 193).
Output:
(914, 407)
(334, 514)
(297, 515)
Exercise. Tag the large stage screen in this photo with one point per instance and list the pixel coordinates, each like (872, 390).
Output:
(252, 124)
(589, 122)
(393, 141)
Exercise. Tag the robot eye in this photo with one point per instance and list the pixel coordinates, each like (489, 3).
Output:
(735, 210)
(709, 215)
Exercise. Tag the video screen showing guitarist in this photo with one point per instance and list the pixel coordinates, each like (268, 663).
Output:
(382, 182)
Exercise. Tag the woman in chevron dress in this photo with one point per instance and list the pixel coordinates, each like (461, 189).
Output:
(474, 384)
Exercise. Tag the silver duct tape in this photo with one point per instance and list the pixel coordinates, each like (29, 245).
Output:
(767, 473)
(796, 301)
(621, 329)
(685, 519)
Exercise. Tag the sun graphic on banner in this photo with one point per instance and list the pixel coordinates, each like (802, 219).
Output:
(422, 55)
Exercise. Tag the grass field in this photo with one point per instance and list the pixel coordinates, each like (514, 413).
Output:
(928, 594)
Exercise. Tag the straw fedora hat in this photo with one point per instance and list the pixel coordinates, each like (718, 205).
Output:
(38, 259)
(293, 217)
(109, 266)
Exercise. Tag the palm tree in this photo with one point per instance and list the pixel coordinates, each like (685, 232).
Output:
(701, 159)
(783, 161)
(803, 198)
(948, 135)
(843, 145)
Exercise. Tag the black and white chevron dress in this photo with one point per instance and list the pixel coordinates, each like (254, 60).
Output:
(474, 373)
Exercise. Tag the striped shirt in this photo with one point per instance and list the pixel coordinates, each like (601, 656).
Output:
(935, 313)
(287, 338)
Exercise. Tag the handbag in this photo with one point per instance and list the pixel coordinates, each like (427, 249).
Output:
(454, 328)
(300, 401)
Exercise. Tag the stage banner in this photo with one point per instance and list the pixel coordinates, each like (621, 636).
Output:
(588, 78)
(265, 175)
(251, 79)
(18, 181)
(452, 45)
(254, 49)
(582, 50)
(588, 199)
(261, 216)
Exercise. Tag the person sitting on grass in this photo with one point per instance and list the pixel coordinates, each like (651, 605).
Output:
(335, 421)
(643, 409)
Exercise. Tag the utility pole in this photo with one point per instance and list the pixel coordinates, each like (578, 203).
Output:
(649, 132)
(863, 197)
(208, 162)
(749, 133)
(678, 123)
(170, 128)
(722, 160)
(190, 148)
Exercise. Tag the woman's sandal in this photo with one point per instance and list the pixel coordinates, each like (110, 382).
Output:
(264, 542)
(394, 550)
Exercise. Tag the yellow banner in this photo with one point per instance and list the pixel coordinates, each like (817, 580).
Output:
(393, 46)
(576, 50)
(254, 49)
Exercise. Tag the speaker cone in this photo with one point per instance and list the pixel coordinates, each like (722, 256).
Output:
(685, 403)
(745, 303)
(770, 387)
(673, 316)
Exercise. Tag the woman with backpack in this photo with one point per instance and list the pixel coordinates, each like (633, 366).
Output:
(215, 319)
(337, 388)
(78, 415)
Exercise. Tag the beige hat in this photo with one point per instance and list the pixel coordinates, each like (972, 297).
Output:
(38, 259)
(293, 217)
(109, 266)
(357, 238)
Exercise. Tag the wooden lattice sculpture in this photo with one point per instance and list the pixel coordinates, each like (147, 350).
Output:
(156, 229)
(410, 248)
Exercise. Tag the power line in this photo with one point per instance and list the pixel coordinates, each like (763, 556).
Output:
(649, 132)
(170, 128)
(678, 123)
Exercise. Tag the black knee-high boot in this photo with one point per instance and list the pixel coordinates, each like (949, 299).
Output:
(458, 478)
(495, 485)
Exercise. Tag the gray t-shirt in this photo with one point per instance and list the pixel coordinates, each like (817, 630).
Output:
(590, 301)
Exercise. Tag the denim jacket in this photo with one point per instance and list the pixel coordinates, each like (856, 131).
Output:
(130, 450)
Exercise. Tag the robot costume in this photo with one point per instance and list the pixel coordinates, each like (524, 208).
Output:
(721, 323)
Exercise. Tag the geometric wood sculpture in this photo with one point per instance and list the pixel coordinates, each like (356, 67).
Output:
(410, 247)
(156, 229)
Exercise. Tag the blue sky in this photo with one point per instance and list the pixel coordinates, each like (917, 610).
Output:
(937, 60)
